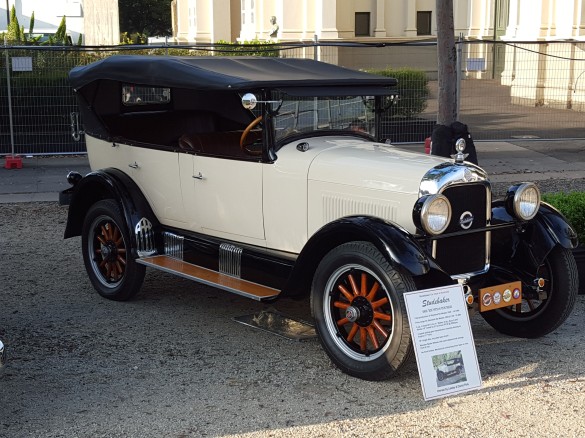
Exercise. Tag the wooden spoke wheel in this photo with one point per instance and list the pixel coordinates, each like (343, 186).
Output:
(106, 252)
(360, 317)
(358, 310)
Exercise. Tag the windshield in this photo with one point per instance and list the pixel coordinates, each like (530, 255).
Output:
(302, 115)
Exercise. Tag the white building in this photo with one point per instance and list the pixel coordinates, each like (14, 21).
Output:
(511, 21)
(96, 20)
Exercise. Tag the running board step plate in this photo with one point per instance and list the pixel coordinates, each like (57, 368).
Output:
(209, 277)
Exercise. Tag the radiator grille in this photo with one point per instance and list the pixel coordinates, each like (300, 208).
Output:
(468, 253)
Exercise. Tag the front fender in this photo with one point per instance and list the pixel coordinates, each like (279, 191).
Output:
(398, 246)
(527, 245)
(104, 184)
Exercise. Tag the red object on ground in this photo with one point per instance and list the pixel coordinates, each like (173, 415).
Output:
(428, 145)
(13, 162)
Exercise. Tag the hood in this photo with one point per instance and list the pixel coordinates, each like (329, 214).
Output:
(375, 166)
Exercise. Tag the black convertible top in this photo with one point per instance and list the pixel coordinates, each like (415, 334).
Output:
(298, 76)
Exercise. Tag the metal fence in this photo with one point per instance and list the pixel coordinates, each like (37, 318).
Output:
(507, 91)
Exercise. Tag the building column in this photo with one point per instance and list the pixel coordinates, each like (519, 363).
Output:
(410, 30)
(579, 19)
(380, 30)
(328, 9)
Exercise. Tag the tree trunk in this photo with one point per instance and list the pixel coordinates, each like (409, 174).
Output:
(447, 63)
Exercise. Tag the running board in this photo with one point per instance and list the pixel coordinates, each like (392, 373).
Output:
(209, 277)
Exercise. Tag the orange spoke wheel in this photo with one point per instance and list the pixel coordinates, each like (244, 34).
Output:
(360, 316)
(105, 241)
(361, 310)
(109, 250)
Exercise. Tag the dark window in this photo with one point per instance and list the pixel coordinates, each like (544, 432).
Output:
(423, 23)
(362, 24)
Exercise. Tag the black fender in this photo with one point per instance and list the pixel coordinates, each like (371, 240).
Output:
(396, 244)
(107, 184)
(526, 245)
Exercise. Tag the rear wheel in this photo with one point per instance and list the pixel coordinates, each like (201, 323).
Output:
(536, 317)
(106, 253)
(358, 306)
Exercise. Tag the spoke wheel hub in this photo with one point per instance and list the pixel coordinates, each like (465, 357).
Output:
(360, 312)
(109, 252)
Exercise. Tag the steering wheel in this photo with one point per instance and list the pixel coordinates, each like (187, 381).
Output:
(251, 126)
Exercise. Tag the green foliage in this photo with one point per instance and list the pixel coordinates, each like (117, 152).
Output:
(572, 206)
(413, 90)
(134, 38)
(13, 33)
(31, 24)
(247, 48)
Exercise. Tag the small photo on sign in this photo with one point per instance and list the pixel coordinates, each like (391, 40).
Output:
(449, 368)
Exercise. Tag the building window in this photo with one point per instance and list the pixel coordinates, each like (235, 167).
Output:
(423, 23)
(362, 24)
(247, 12)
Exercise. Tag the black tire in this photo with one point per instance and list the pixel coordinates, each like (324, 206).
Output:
(440, 376)
(458, 370)
(536, 318)
(375, 341)
(108, 261)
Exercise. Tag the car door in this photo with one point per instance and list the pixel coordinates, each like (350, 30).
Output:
(227, 195)
(157, 173)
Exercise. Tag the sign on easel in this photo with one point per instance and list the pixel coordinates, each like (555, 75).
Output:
(443, 341)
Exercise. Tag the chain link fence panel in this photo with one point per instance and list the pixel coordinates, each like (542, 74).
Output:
(508, 91)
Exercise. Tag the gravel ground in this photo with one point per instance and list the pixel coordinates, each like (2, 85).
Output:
(173, 363)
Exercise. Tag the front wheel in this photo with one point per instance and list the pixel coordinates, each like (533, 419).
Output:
(537, 317)
(360, 316)
(105, 242)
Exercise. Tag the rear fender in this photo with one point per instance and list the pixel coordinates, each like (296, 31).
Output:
(108, 184)
(398, 246)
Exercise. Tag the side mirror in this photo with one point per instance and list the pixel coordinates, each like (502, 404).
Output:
(249, 101)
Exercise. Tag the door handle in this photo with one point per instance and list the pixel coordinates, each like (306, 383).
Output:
(198, 176)
(134, 165)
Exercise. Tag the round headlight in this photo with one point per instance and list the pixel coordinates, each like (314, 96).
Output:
(526, 201)
(435, 214)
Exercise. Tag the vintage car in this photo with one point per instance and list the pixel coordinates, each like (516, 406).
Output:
(449, 367)
(266, 177)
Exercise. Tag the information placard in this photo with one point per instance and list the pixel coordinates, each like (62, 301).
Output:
(443, 341)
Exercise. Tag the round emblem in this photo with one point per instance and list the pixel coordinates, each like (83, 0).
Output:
(497, 298)
(486, 299)
(352, 314)
(467, 176)
(507, 295)
(466, 220)
(516, 294)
